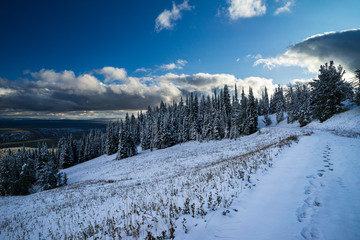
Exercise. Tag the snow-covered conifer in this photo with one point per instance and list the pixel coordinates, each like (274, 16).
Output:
(327, 91)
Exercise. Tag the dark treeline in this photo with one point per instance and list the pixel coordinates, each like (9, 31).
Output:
(209, 118)
(194, 118)
(30, 171)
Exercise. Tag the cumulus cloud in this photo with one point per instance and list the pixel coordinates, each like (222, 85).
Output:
(285, 8)
(57, 94)
(51, 91)
(143, 69)
(112, 74)
(246, 8)
(205, 83)
(179, 64)
(342, 47)
(6, 91)
(67, 81)
(166, 19)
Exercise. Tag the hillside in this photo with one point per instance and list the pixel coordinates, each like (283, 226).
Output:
(283, 182)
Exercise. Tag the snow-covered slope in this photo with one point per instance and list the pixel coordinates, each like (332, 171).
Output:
(263, 186)
(346, 123)
(172, 161)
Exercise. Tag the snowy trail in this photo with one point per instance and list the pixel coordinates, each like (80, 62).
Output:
(311, 193)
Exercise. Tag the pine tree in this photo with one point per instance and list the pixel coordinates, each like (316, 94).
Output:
(357, 96)
(305, 113)
(218, 128)
(111, 141)
(81, 150)
(266, 108)
(252, 116)
(243, 114)
(147, 130)
(280, 104)
(327, 91)
(8, 174)
(127, 147)
(66, 158)
(227, 110)
(24, 172)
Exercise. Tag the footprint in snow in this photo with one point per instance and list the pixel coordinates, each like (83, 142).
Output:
(313, 183)
(307, 190)
(303, 212)
(310, 234)
(317, 203)
(309, 201)
(305, 233)
(341, 182)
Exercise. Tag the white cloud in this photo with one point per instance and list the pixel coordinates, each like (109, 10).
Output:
(301, 81)
(56, 92)
(292, 58)
(169, 66)
(143, 69)
(205, 82)
(166, 19)
(6, 91)
(257, 56)
(179, 64)
(113, 74)
(67, 81)
(341, 47)
(285, 8)
(63, 94)
(246, 8)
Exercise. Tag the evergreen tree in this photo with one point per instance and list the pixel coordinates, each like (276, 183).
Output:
(227, 110)
(252, 116)
(24, 172)
(327, 91)
(357, 86)
(243, 114)
(305, 113)
(280, 104)
(236, 122)
(218, 128)
(127, 147)
(112, 141)
(81, 150)
(266, 108)
(66, 158)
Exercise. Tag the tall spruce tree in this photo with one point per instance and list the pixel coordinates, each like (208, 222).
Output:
(252, 116)
(244, 107)
(266, 108)
(305, 113)
(327, 91)
(280, 104)
(127, 147)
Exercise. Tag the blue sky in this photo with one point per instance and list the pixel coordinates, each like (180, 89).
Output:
(158, 43)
